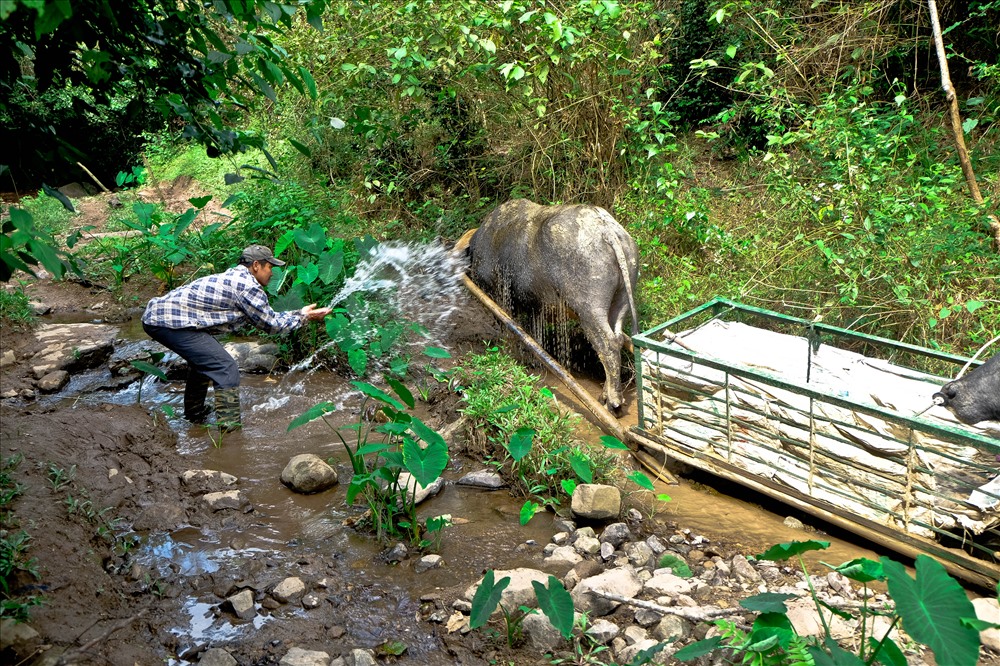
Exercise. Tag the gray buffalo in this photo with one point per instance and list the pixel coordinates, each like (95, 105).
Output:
(976, 396)
(573, 256)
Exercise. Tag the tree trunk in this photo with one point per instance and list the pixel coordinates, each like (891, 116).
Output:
(956, 121)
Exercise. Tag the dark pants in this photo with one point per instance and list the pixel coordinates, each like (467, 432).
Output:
(207, 361)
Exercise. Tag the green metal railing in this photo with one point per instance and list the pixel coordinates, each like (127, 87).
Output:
(915, 484)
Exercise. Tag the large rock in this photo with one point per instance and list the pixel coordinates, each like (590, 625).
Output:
(217, 657)
(668, 585)
(254, 357)
(308, 473)
(201, 481)
(541, 634)
(53, 381)
(417, 493)
(242, 604)
(299, 657)
(72, 347)
(519, 592)
(804, 616)
(988, 609)
(594, 501)
(288, 590)
(622, 581)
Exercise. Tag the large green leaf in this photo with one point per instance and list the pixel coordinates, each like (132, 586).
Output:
(425, 464)
(312, 240)
(404, 393)
(610, 442)
(861, 570)
(520, 443)
(640, 479)
(768, 602)
(557, 605)
(775, 626)
(331, 264)
(698, 649)
(427, 434)
(581, 467)
(834, 655)
(932, 607)
(311, 414)
(149, 369)
(528, 511)
(307, 273)
(486, 599)
(378, 394)
(783, 551)
(888, 654)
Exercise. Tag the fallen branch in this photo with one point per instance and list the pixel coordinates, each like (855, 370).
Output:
(699, 614)
(94, 178)
(71, 656)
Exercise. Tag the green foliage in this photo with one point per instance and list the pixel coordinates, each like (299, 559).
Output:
(379, 456)
(14, 545)
(676, 564)
(15, 309)
(932, 607)
(556, 603)
(529, 437)
(148, 367)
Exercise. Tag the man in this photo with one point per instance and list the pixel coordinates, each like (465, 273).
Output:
(185, 319)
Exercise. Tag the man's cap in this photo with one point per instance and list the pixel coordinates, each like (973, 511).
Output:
(260, 253)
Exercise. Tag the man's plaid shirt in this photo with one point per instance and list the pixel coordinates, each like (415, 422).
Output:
(222, 302)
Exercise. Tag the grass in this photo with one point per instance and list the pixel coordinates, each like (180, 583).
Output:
(14, 544)
(15, 310)
(501, 398)
(47, 212)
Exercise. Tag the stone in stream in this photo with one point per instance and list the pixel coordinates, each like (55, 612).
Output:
(308, 473)
(299, 657)
(594, 501)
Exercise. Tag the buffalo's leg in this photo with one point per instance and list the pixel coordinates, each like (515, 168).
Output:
(605, 343)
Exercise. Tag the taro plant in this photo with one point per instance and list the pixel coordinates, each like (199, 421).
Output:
(389, 460)
(553, 601)
(14, 544)
(932, 608)
(146, 367)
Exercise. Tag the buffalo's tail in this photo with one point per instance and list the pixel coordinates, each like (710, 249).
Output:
(616, 244)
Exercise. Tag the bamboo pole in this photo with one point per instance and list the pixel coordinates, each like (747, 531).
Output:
(956, 120)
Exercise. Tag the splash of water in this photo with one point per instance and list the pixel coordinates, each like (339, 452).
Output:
(422, 283)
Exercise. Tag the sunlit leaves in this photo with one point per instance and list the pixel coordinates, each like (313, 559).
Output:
(316, 411)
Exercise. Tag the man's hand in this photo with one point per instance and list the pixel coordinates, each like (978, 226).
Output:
(314, 313)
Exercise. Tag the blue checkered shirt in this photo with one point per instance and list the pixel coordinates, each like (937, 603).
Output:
(222, 302)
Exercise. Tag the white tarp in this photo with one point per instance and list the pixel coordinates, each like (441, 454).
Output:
(857, 461)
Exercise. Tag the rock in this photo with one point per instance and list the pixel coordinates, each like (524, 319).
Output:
(417, 493)
(201, 481)
(540, 632)
(359, 657)
(427, 562)
(794, 523)
(216, 657)
(72, 347)
(560, 538)
(587, 545)
(805, 620)
(584, 569)
(621, 581)
(7, 358)
(593, 501)
(74, 190)
(9, 394)
(633, 635)
(53, 381)
(988, 610)
(602, 631)
(242, 604)
(288, 590)
(397, 553)
(308, 473)
(628, 654)
(639, 554)
(616, 534)
(667, 584)
(17, 637)
(519, 592)
(254, 357)
(311, 601)
(744, 571)
(482, 479)
(607, 551)
(645, 617)
(39, 309)
(564, 556)
(840, 584)
(672, 629)
(655, 545)
(299, 657)
(226, 500)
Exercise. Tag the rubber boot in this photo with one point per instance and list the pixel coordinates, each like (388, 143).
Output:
(195, 392)
(227, 409)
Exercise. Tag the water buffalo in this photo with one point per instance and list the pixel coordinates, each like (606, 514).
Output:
(573, 256)
(976, 396)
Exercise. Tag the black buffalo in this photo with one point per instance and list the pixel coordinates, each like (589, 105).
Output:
(976, 396)
(575, 256)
